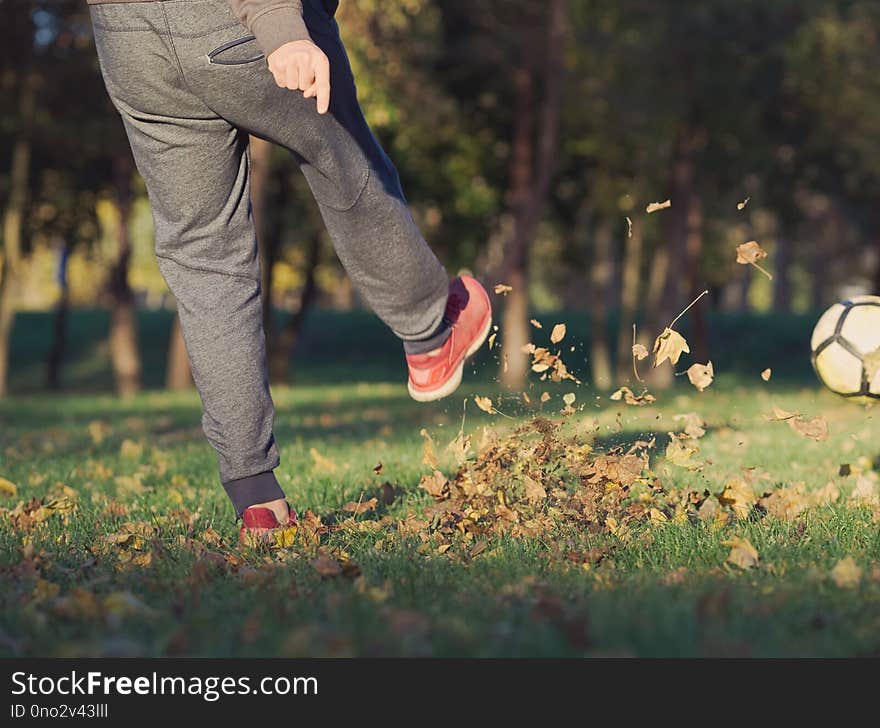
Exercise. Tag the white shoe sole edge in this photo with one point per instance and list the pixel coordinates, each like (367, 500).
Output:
(454, 381)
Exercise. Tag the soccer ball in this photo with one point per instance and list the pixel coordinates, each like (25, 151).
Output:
(846, 348)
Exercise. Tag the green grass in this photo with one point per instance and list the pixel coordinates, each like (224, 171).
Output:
(666, 591)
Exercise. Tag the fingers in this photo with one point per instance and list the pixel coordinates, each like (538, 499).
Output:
(322, 83)
(303, 68)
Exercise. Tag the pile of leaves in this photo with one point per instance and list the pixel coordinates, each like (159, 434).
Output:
(535, 480)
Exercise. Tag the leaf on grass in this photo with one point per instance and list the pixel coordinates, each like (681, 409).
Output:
(629, 397)
(701, 375)
(8, 488)
(749, 254)
(846, 574)
(327, 567)
(657, 206)
(485, 404)
(640, 352)
(766, 374)
(865, 492)
(358, 507)
(739, 495)
(536, 323)
(502, 289)
(558, 334)
(669, 345)
(130, 449)
(742, 553)
(534, 490)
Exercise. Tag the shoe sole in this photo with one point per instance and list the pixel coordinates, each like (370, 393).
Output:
(454, 382)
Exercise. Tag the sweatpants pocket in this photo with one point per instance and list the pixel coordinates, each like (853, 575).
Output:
(236, 52)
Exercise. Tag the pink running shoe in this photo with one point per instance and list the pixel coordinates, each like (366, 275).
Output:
(469, 312)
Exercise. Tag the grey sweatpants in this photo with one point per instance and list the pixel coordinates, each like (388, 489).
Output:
(190, 84)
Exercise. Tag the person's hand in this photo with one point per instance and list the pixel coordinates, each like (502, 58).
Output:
(301, 66)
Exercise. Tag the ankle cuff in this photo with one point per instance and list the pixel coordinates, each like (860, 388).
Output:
(245, 492)
(434, 341)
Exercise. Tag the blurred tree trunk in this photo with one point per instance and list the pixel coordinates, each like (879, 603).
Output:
(124, 353)
(13, 217)
(781, 273)
(55, 358)
(284, 345)
(601, 286)
(629, 297)
(178, 376)
(685, 234)
(260, 161)
(532, 168)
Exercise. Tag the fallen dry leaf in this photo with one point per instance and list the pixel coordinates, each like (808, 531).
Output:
(742, 553)
(558, 334)
(8, 488)
(701, 375)
(657, 206)
(327, 567)
(846, 573)
(739, 495)
(669, 345)
(358, 507)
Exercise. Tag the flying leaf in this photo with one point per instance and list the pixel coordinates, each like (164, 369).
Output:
(681, 452)
(815, 429)
(629, 227)
(742, 205)
(569, 398)
(701, 375)
(749, 254)
(485, 404)
(657, 206)
(545, 397)
(429, 457)
(640, 352)
(630, 398)
(536, 323)
(558, 334)
(502, 289)
(694, 426)
(8, 488)
(492, 340)
(742, 553)
(435, 484)
(846, 573)
(669, 345)
(766, 374)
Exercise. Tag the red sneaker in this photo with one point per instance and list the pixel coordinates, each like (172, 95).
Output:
(259, 525)
(468, 310)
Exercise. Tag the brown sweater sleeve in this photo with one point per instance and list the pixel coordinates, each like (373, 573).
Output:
(273, 22)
